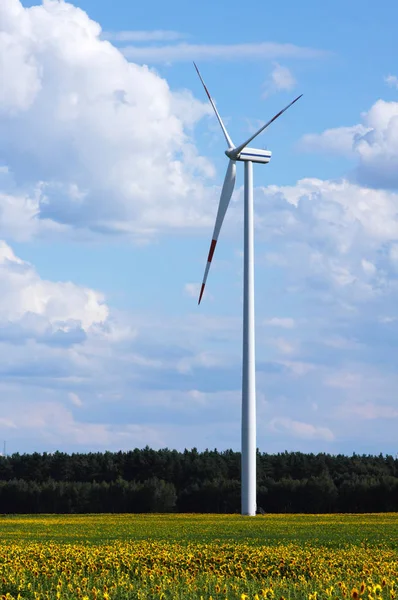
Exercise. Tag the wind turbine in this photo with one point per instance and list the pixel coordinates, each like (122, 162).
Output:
(248, 156)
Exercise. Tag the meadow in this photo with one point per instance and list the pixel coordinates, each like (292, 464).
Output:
(218, 557)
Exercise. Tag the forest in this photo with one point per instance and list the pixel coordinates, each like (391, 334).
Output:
(146, 480)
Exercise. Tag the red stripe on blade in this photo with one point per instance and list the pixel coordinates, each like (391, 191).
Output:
(201, 292)
(211, 251)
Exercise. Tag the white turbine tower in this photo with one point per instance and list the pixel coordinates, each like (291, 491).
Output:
(248, 156)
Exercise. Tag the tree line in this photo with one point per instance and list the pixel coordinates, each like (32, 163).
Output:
(145, 480)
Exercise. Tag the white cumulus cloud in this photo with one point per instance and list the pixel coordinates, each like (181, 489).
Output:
(374, 143)
(340, 140)
(34, 304)
(281, 80)
(89, 139)
(333, 235)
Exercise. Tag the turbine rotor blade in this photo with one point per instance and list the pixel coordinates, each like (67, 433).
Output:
(240, 148)
(226, 193)
(225, 132)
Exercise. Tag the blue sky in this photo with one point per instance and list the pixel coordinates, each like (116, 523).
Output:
(111, 164)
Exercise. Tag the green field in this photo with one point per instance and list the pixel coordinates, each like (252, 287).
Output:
(199, 556)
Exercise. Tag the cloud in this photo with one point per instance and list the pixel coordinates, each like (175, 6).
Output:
(202, 359)
(281, 80)
(344, 380)
(192, 289)
(394, 254)
(334, 236)
(8, 424)
(56, 427)
(74, 398)
(283, 322)
(60, 344)
(46, 308)
(296, 367)
(388, 319)
(392, 80)
(20, 216)
(91, 142)
(58, 339)
(339, 141)
(159, 35)
(301, 430)
(186, 52)
(370, 410)
(374, 143)
(284, 346)
(191, 402)
(338, 341)
(378, 149)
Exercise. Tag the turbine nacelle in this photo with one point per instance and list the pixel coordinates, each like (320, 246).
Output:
(253, 154)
